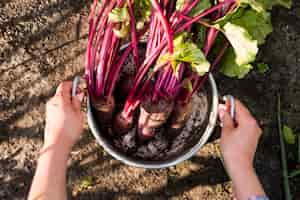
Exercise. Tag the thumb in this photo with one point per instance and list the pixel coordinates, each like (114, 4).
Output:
(77, 100)
(227, 122)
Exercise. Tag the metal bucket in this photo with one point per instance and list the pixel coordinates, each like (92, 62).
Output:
(107, 145)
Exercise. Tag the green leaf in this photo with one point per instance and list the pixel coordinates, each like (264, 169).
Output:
(245, 29)
(244, 46)
(236, 13)
(179, 4)
(180, 39)
(142, 12)
(288, 135)
(230, 68)
(262, 5)
(201, 35)
(188, 52)
(262, 67)
(258, 25)
(123, 32)
(119, 15)
(200, 7)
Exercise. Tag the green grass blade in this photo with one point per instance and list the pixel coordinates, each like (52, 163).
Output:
(287, 191)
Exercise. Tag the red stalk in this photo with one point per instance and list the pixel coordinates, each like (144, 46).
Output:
(116, 70)
(203, 14)
(189, 6)
(110, 63)
(101, 68)
(134, 40)
(215, 63)
(165, 25)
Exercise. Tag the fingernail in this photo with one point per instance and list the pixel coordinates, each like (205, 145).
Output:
(221, 114)
(222, 106)
(80, 96)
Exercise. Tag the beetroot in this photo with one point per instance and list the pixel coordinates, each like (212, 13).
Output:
(152, 117)
(179, 116)
(104, 111)
(122, 124)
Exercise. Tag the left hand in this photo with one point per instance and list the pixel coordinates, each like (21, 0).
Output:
(64, 118)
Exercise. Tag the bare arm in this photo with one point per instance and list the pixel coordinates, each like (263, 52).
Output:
(64, 125)
(238, 146)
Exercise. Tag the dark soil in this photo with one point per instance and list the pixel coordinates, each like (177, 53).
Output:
(163, 146)
(43, 43)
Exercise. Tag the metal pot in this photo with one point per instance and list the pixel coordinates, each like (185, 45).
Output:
(106, 144)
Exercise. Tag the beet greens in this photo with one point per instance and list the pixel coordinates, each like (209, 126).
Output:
(186, 39)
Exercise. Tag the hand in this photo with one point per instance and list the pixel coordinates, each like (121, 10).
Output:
(64, 119)
(239, 141)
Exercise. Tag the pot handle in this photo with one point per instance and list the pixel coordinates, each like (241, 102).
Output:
(230, 107)
(74, 85)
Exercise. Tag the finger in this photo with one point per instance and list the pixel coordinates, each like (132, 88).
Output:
(243, 115)
(64, 89)
(77, 100)
(228, 124)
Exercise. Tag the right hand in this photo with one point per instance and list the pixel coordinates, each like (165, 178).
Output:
(238, 141)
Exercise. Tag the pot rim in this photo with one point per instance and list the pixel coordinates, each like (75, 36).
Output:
(159, 164)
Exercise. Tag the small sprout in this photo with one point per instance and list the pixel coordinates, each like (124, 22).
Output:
(288, 135)
(262, 68)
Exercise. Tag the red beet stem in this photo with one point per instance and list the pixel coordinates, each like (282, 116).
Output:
(203, 14)
(211, 37)
(134, 39)
(101, 68)
(116, 70)
(189, 6)
(165, 25)
(200, 82)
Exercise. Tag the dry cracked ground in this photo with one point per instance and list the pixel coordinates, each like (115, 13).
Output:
(42, 42)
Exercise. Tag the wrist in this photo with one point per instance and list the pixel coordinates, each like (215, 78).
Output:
(238, 164)
(245, 181)
(239, 172)
(55, 150)
(57, 139)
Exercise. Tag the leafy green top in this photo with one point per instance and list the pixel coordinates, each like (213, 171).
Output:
(246, 27)
(186, 52)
